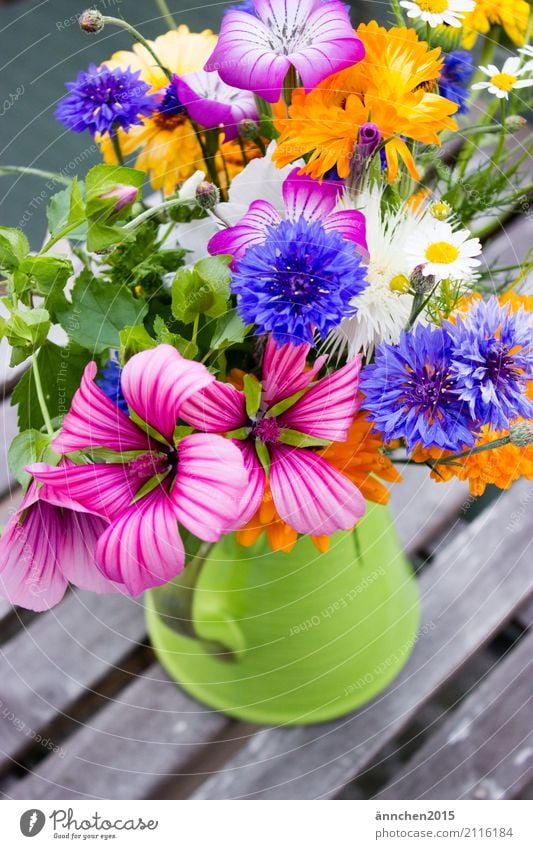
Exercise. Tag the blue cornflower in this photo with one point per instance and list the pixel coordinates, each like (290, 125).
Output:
(247, 6)
(492, 351)
(170, 103)
(109, 383)
(104, 98)
(301, 278)
(456, 73)
(410, 392)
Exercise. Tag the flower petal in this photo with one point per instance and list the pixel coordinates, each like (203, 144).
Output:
(80, 533)
(327, 408)
(310, 495)
(304, 196)
(210, 483)
(255, 490)
(94, 421)
(351, 224)
(103, 488)
(157, 382)
(142, 548)
(30, 567)
(284, 371)
(216, 409)
(252, 229)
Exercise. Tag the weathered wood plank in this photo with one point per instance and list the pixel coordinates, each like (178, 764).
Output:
(145, 737)
(471, 589)
(9, 429)
(47, 667)
(484, 749)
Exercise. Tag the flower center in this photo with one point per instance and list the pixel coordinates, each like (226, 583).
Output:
(443, 253)
(504, 82)
(435, 7)
(152, 463)
(429, 388)
(399, 283)
(267, 430)
(171, 112)
(500, 366)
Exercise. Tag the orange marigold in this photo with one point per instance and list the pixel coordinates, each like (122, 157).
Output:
(359, 458)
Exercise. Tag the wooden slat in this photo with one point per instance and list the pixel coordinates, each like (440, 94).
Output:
(8, 430)
(47, 667)
(484, 749)
(472, 588)
(145, 737)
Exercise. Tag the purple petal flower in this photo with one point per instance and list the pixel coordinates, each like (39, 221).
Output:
(255, 52)
(411, 394)
(492, 351)
(103, 98)
(213, 103)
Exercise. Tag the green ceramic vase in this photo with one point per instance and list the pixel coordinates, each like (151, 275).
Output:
(308, 637)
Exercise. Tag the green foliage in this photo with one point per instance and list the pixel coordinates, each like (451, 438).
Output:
(102, 211)
(45, 276)
(252, 394)
(65, 208)
(25, 330)
(14, 246)
(302, 440)
(30, 446)
(133, 340)
(61, 370)
(98, 312)
(142, 263)
(229, 330)
(204, 290)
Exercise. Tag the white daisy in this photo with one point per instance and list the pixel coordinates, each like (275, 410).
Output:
(437, 12)
(527, 52)
(442, 252)
(384, 306)
(501, 82)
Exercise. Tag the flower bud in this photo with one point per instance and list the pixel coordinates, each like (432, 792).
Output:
(248, 129)
(440, 210)
(123, 194)
(422, 283)
(515, 123)
(207, 195)
(521, 434)
(369, 138)
(91, 21)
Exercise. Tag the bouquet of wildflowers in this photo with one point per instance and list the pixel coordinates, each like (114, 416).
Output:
(271, 294)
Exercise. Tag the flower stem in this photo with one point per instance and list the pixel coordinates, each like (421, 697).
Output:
(35, 172)
(40, 396)
(155, 210)
(496, 443)
(118, 22)
(53, 240)
(166, 13)
(397, 9)
(115, 141)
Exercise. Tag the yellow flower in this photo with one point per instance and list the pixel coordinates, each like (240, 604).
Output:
(360, 459)
(512, 15)
(169, 148)
(394, 86)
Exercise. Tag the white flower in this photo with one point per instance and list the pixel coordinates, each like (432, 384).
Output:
(260, 179)
(527, 51)
(442, 252)
(437, 12)
(384, 306)
(501, 82)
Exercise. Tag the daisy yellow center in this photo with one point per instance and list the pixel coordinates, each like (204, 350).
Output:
(433, 6)
(504, 82)
(442, 252)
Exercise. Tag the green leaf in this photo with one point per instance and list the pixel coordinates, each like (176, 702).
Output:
(252, 391)
(264, 456)
(149, 486)
(286, 403)
(46, 272)
(27, 447)
(186, 347)
(14, 246)
(229, 329)
(204, 290)
(105, 178)
(27, 329)
(99, 311)
(66, 207)
(61, 370)
(301, 440)
(102, 211)
(133, 340)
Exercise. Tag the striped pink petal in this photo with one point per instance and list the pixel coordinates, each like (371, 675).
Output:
(216, 409)
(310, 495)
(327, 408)
(103, 488)
(284, 371)
(306, 197)
(351, 224)
(157, 382)
(80, 533)
(210, 483)
(142, 548)
(94, 421)
(252, 229)
(255, 490)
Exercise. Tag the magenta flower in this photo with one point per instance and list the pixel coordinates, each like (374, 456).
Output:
(198, 482)
(309, 494)
(304, 198)
(48, 543)
(213, 103)
(255, 52)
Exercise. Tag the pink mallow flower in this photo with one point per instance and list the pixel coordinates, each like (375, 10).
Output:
(48, 543)
(213, 103)
(198, 481)
(255, 52)
(309, 494)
